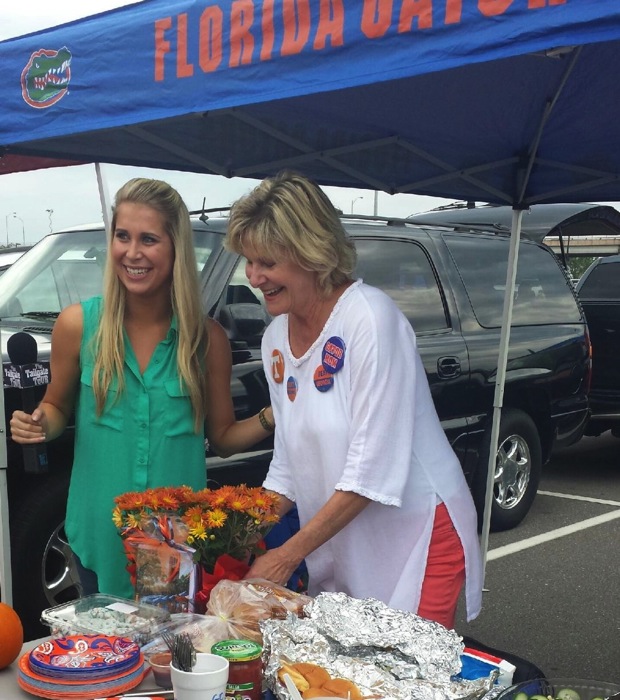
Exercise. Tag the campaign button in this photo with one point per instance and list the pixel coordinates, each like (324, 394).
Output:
(333, 355)
(277, 366)
(291, 388)
(323, 380)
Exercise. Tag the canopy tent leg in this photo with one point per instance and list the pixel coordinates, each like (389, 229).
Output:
(498, 399)
(6, 582)
(104, 198)
(511, 275)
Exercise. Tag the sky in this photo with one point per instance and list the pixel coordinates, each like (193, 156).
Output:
(34, 203)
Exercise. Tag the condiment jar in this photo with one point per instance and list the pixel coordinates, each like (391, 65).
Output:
(245, 672)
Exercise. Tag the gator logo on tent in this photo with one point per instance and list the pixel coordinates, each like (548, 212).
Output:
(45, 79)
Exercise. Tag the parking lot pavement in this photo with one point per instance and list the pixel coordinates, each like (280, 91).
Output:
(553, 587)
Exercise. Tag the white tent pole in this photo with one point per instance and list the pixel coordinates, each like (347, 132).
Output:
(104, 198)
(6, 583)
(498, 400)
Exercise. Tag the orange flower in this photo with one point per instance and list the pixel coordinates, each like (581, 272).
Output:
(240, 502)
(223, 496)
(193, 515)
(215, 518)
(264, 500)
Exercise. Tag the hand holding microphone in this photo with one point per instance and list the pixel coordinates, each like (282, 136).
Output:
(28, 428)
(29, 425)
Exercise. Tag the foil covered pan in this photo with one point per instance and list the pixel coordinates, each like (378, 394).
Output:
(387, 653)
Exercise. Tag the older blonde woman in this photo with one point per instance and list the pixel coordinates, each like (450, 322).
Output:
(143, 371)
(384, 508)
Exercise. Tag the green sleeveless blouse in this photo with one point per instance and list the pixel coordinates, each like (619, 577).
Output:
(144, 438)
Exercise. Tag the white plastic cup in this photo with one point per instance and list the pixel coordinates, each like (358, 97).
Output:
(206, 681)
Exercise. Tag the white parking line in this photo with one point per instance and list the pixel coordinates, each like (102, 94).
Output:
(580, 498)
(508, 549)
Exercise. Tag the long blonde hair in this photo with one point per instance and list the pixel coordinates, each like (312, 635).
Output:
(184, 298)
(290, 217)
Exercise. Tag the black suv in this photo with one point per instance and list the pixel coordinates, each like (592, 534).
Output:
(599, 292)
(449, 284)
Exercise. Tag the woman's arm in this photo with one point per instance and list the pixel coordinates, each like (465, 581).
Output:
(278, 564)
(49, 419)
(227, 435)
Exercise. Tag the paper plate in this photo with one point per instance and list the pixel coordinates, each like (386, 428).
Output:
(42, 686)
(84, 656)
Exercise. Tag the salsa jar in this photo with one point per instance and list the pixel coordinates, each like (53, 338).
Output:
(245, 671)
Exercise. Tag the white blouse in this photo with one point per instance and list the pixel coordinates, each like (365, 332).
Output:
(368, 426)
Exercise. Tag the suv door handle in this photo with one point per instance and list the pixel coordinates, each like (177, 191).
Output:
(448, 367)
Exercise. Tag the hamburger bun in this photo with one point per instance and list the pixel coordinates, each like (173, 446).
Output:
(313, 693)
(315, 675)
(341, 688)
(300, 682)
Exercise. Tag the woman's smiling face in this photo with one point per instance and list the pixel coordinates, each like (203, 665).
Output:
(142, 251)
(287, 287)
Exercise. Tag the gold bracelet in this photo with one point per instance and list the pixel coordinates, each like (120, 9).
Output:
(265, 422)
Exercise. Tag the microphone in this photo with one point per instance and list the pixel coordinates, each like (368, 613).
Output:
(25, 373)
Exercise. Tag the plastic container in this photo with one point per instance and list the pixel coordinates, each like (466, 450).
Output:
(245, 672)
(585, 689)
(480, 664)
(108, 615)
(160, 663)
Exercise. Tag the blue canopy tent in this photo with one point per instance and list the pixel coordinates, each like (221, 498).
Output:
(505, 101)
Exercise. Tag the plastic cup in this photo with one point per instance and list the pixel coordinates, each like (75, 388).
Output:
(160, 663)
(206, 681)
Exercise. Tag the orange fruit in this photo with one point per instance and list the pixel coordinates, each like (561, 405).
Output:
(11, 635)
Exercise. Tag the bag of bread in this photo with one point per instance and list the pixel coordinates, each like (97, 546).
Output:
(281, 598)
(239, 609)
(241, 605)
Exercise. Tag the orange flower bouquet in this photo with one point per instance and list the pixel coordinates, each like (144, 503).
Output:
(215, 530)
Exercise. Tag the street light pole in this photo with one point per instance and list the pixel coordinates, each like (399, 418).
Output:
(6, 224)
(23, 227)
(353, 202)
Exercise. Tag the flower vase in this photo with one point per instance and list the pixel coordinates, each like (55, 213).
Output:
(225, 567)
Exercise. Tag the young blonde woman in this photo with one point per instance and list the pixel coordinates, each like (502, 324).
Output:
(143, 371)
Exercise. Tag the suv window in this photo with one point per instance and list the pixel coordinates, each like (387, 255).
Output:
(542, 294)
(67, 268)
(602, 282)
(402, 270)
(239, 290)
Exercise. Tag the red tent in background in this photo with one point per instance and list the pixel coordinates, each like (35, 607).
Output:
(12, 163)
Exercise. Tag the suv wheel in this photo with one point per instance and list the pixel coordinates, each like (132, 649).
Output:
(44, 570)
(518, 465)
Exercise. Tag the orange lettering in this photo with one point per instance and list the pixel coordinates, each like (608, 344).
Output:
(376, 18)
(210, 46)
(331, 23)
(162, 47)
(490, 8)
(266, 49)
(410, 9)
(241, 39)
(537, 4)
(184, 69)
(296, 16)
(453, 11)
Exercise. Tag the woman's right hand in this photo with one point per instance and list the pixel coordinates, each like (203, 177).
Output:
(29, 428)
